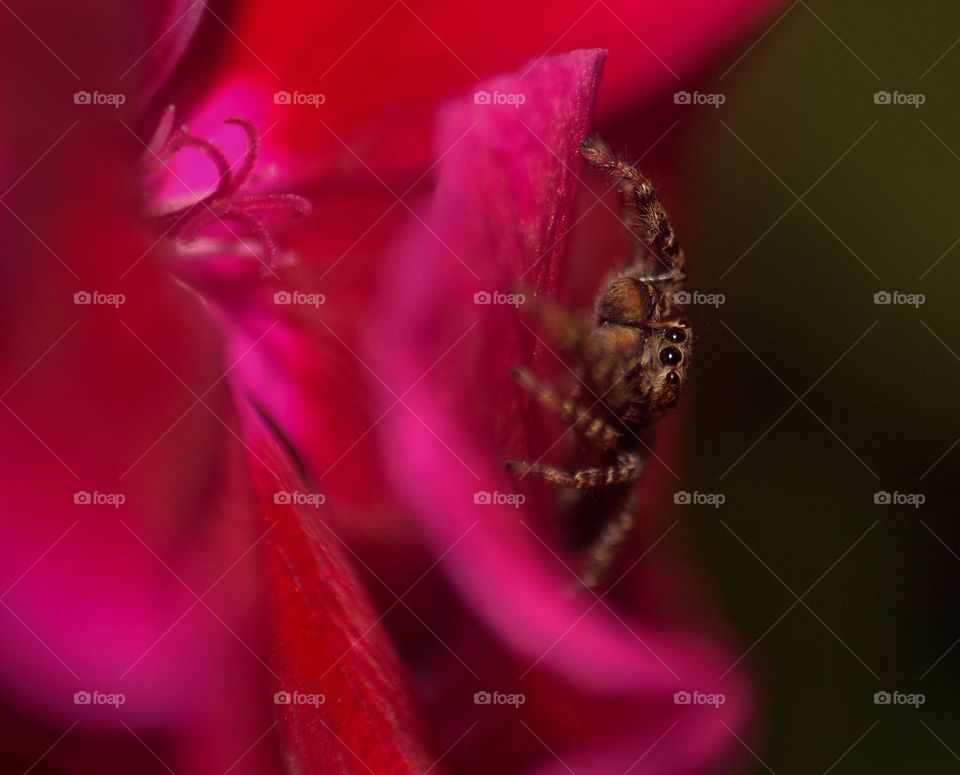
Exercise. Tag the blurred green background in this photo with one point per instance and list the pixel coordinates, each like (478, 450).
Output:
(877, 384)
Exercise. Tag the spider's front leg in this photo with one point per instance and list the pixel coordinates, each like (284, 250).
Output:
(642, 210)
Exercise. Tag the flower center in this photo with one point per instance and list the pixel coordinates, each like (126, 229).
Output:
(226, 204)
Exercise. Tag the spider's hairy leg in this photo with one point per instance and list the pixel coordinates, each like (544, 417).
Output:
(628, 469)
(608, 543)
(642, 211)
(593, 429)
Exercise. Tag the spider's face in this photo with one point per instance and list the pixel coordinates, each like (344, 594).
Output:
(667, 358)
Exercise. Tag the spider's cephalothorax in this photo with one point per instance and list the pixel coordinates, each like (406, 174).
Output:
(631, 361)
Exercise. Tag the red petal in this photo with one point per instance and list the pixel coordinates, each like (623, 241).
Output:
(384, 68)
(328, 643)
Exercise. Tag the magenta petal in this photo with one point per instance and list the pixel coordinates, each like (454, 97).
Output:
(500, 213)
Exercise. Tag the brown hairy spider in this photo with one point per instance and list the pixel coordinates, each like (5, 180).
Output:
(632, 362)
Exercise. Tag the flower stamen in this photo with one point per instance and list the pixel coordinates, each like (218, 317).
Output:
(225, 203)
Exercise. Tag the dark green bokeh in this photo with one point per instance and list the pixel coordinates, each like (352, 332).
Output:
(879, 415)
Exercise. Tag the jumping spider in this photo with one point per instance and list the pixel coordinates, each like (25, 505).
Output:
(631, 361)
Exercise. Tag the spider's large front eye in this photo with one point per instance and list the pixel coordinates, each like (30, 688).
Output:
(676, 335)
(670, 356)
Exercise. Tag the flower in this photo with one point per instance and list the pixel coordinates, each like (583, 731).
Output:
(148, 550)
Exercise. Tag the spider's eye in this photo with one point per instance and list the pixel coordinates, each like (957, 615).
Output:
(676, 335)
(672, 378)
(670, 356)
